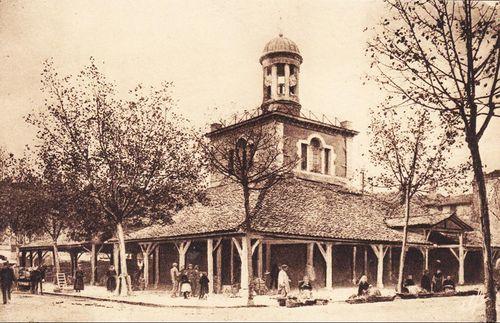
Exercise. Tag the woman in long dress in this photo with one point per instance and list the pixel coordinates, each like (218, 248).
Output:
(111, 279)
(185, 285)
(79, 275)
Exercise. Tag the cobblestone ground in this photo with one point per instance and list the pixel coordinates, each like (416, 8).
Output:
(25, 307)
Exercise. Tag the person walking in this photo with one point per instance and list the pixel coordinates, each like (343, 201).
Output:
(34, 274)
(7, 278)
(79, 275)
(174, 276)
(41, 278)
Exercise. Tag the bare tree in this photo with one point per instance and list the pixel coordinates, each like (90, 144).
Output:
(412, 154)
(445, 56)
(254, 159)
(135, 156)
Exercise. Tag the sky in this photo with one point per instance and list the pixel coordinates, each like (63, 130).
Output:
(209, 49)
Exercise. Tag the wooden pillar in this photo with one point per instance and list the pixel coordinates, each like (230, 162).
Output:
(23, 259)
(147, 249)
(218, 267)
(327, 253)
(461, 260)
(268, 257)
(243, 250)
(354, 255)
(259, 260)
(182, 247)
(310, 272)
(365, 264)
(157, 266)
(426, 258)
(390, 264)
(380, 251)
(231, 263)
(210, 265)
(31, 259)
(93, 258)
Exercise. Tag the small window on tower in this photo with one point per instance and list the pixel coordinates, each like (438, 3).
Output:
(327, 161)
(292, 69)
(303, 155)
(292, 90)
(268, 70)
(268, 91)
(281, 69)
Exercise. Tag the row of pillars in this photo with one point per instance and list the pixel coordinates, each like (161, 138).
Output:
(215, 246)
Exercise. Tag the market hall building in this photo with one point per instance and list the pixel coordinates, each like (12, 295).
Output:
(316, 222)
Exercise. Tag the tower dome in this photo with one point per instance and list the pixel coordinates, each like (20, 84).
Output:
(280, 44)
(281, 62)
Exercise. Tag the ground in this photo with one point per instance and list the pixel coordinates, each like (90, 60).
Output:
(26, 307)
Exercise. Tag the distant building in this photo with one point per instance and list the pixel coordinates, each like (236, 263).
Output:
(315, 222)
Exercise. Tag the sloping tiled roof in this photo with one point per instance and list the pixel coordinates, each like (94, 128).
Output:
(430, 219)
(221, 212)
(306, 208)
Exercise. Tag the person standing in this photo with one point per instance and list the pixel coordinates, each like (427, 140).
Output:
(437, 282)
(363, 286)
(185, 285)
(196, 280)
(204, 285)
(79, 275)
(111, 279)
(274, 277)
(7, 278)
(41, 277)
(174, 276)
(283, 281)
(191, 277)
(34, 274)
(425, 281)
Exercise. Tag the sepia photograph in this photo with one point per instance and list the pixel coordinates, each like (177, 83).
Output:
(249, 161)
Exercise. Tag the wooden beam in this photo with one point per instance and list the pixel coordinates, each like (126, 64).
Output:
(380, 251)
(254, 245)
(327, 252)
(365, 264)
(461, 260)
(237, 245)
(390, 265)
(231, 262)
(182, 248)
(354, 252)
(93, 264)
(455, 254)
(217, 244)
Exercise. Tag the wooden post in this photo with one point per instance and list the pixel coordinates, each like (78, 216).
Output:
(268, 257)
(147, 249)
(31, 259)
(365, 265)
(93, 264)
(390, 264)
(259, 260)
(426, 258)
(157, 266)
(210, 265)
(182, 247)
(219, 267)
(461, 260)
(354, 252)
(231, 263)
(380, 251)
(243, 251)
(310, 262)
(327, 253)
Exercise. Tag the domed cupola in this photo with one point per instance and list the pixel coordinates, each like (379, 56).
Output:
(281, 61)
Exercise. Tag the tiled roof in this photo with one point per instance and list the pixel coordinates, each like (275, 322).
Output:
(451, 200)
(430, 219)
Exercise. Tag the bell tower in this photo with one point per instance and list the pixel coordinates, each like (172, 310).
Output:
(280, 62)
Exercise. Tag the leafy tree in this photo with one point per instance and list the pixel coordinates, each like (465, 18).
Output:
(253, 158)
(445, 56)
(135, 156)
(412, 154)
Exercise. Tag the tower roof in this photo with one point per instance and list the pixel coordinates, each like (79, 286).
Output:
(281, 44)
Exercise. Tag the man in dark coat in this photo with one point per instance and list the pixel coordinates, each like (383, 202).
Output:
(425, 281)
(34, 277)
(41, 277)
(7, 278)
(437, 282)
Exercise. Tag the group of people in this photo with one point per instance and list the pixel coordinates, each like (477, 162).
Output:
(189, 282)
(436, 284)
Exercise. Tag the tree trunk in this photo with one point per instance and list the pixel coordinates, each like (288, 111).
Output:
(56, 258)
(482, 199)
(124, 279)
(248, 241)
(405, 237)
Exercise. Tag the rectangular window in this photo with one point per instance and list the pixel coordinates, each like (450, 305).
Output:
(327, 161)
(303, 155)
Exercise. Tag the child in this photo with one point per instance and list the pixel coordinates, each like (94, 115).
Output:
(185, 285)
(204, 285)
